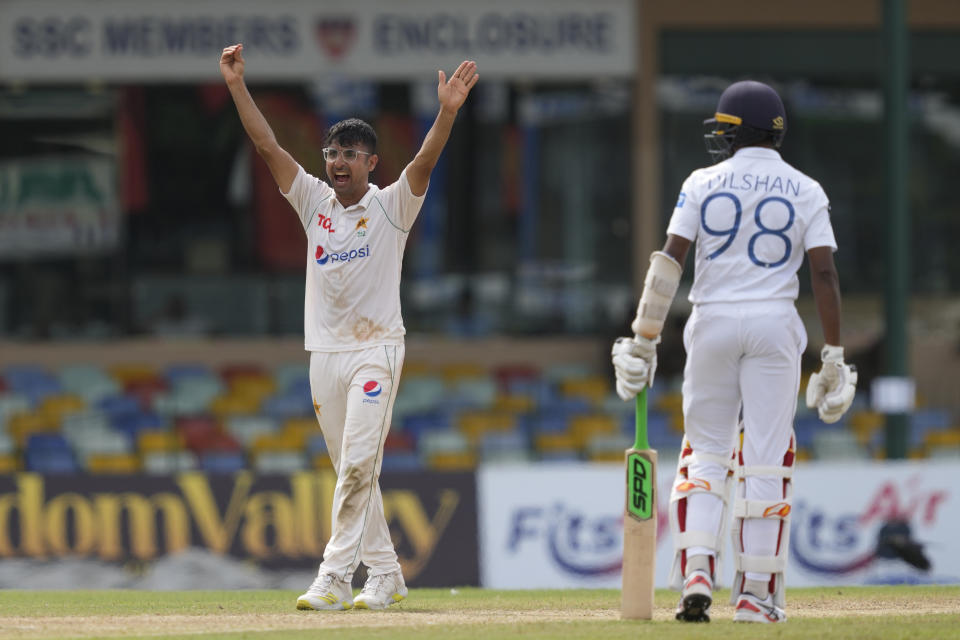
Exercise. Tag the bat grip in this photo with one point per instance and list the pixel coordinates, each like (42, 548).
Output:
(641, 425)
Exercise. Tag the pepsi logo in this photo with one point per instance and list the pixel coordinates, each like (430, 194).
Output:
(372, 388)
(321, 255)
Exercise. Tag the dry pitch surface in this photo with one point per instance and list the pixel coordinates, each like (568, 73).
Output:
(861, 613)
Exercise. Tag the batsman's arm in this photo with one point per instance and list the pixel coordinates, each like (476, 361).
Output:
(282, 165)
(452, 94)
(826, 292)
(660, 286)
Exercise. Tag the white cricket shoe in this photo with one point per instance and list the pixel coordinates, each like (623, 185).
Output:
(381, 591)
(750, 608)
(327, 593)
(696, 597)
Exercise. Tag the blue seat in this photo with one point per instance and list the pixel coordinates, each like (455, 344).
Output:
(417, 423)
(288, 405)
(134, 422)
(118, 404)
(176, 372)
(47, 442)
(222, 462)
(401, 461)
(316, 445)
(51, 461)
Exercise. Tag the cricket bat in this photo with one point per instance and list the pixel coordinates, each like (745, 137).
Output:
(640, 523)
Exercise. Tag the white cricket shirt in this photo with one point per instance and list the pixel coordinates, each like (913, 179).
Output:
(753, 217)
(354, 256)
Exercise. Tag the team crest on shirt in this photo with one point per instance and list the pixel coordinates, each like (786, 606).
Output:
(371, 389)
(361, 227)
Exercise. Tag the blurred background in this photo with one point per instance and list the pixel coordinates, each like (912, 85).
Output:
(151, 275)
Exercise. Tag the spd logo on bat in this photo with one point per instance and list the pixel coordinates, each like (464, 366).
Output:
(639, 487)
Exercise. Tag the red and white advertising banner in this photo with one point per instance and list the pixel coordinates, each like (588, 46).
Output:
(560, 526)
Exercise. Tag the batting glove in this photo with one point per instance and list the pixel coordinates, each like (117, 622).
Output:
(635, 362)
(831, 389)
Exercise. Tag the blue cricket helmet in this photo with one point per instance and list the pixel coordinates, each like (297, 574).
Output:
(748, 113)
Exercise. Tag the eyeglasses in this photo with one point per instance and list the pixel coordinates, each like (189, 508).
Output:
(349, 155)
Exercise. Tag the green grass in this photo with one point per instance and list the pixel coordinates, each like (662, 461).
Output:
(861, 613)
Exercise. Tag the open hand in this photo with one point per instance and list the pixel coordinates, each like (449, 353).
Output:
(453, 93)
(231, 62)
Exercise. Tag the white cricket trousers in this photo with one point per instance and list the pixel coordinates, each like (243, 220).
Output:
(353, 392)
(741, 357)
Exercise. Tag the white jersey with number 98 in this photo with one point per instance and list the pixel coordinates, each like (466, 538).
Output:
(752, 216)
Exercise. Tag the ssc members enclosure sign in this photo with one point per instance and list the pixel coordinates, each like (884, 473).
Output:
(280, 522)
(54, 206)
(119, 40)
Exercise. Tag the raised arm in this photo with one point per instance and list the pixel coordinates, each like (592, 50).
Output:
(281, 164)
(452, 94)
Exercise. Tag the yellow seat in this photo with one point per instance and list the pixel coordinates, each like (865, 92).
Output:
(592, 388)
(9, 463)
(584, 426)
(452, 461)
(21, 425)
(563, 441)
(454, 372)
(158, 442)
(943, 438)
(56, 406)
(273, 442)
(606, 456)
(113, 463)
(256, 385)
(415, 369)
(322, 461)
(473, 424)
(301, 427)
(233, 405)
(128, 373)
(514, 403)
(865, 423)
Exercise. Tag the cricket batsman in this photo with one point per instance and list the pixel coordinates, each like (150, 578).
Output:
(753, 217)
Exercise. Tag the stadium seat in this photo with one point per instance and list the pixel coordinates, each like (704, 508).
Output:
(162, 442)
(113, 463)
(608, 447)
(12, 403)
(584, 426)
(504, 447)
(51, 461)
(167, 462)
(7, 446)
(132, 372)
(246, 429)
(474, 424)
(222, 461)
(452, 461)
(594, 389)
(401, 461)
(9, 463)
(831, 443)
(279, 461)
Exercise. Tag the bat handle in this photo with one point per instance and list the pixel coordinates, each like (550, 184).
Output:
(641, 425)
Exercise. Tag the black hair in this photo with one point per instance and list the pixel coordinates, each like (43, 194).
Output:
(350, 132)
